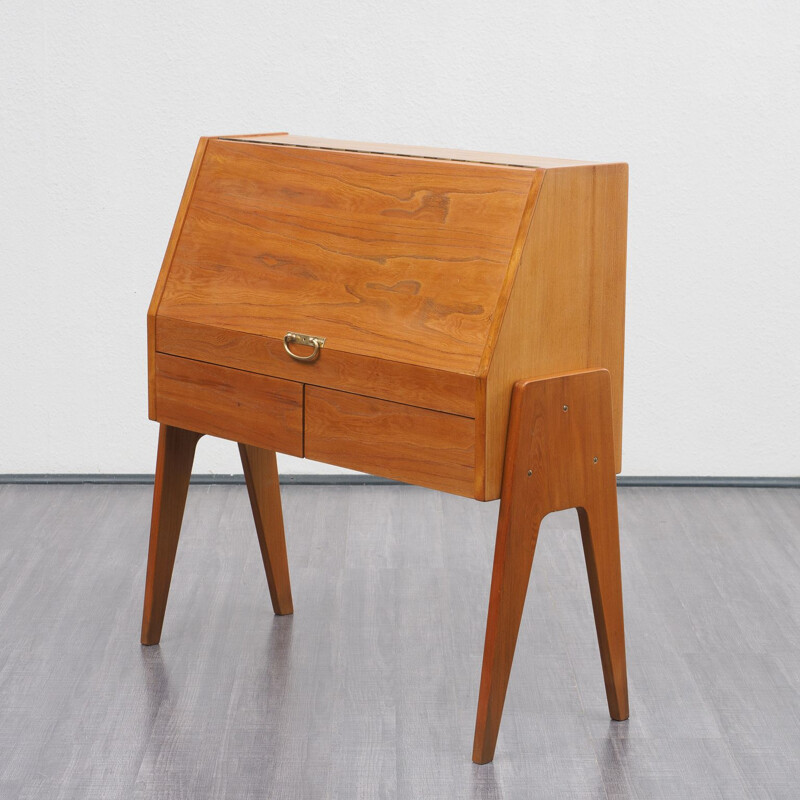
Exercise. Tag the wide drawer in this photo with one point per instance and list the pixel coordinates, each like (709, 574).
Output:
(398, 381)
(230, 403)
(415, 445)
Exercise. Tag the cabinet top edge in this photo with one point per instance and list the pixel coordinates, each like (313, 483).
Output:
(409, 151)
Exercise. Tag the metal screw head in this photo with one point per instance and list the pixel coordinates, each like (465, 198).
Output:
(565, 408)
(530, 472)
(595, 459)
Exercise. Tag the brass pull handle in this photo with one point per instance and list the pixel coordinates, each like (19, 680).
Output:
(317, 342)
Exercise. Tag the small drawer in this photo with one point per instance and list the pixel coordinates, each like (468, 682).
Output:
(414, 445)
(230, 403)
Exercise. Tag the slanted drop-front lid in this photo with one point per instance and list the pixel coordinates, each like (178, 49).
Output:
(391, 257)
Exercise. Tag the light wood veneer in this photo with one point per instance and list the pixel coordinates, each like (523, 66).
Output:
(472, 311)
(438, 278)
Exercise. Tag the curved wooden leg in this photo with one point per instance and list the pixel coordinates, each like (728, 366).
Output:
(261, 475)
(173, 471)
(559, 455)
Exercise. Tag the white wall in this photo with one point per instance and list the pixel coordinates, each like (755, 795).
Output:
(102, 104)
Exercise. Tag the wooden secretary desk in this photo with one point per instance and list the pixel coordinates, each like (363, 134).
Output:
(450, 319)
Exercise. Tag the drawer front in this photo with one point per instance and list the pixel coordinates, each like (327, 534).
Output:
(415, 445)
(230, 403)
(401, 382)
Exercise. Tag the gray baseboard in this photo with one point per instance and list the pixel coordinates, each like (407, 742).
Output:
(750, 482)
(364, 480)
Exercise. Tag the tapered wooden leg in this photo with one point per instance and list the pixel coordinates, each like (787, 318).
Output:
(600, 533)
(513, 559)
(261, 474)
(559, 454)
(173, 471)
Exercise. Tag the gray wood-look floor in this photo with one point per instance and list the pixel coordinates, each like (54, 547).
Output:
(370, 689)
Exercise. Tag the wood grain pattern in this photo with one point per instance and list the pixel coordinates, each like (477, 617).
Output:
(230, 403)
(173, 470)
(437, 282)
(566, 310)
(560, 455)
(261, 476)
(427, 448)
(441, 285)
(394, 258)
(162, 275)
(411, 151)
(440, 390)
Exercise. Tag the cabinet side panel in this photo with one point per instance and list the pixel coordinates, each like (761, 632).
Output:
(162, 275)
(511, 273)
(567, 306)
(481, 423)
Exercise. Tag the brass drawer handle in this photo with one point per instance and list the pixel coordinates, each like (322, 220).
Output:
(317, 342)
